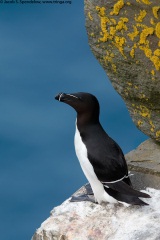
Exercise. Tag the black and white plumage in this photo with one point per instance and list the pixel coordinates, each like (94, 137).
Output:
(100, 157)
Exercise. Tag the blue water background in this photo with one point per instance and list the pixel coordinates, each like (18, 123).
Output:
(44, 50)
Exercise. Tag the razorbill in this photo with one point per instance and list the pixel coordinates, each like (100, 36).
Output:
(100, 157)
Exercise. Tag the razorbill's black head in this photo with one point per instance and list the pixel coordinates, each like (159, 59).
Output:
(85, 104)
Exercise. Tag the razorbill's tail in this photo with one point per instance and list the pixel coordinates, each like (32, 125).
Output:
(122, 191)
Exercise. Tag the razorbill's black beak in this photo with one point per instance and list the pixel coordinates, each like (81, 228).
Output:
(62, 97)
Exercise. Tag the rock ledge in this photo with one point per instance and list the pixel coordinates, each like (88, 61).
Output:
(89, 221)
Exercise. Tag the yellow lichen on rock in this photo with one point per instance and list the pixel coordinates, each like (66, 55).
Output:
(156, 62)
(145, 33)
(121, 24)
(112, 31)
(113, 21)
(141, 16)
(139, 122)
(158, 133)
(134, 33)
(147, 2)
(147, 51)
(104, 20)
(108, 58)
(114, 67)
(119, 43)
(116, 32)
(110, 28)
(132, 53)
(152, 126)
(144, 111)
(117, 7)
(157, 30)
(104, 31)
(153, 72)
(155, 11)
(144, 45)
(152, 21)
(92, 34)
(157, 52)
(90, 16)
(101, 10)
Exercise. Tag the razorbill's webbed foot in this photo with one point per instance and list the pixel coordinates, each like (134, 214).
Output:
(82, 198)
(88, 196)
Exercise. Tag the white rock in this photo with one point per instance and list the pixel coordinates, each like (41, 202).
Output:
(89, 221)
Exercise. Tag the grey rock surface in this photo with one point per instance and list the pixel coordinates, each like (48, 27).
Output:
(144, 163)
(90, 221)
(124, 35)
(146, 158)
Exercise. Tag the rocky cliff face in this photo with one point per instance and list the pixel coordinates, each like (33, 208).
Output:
(124, 35)
(89, 221)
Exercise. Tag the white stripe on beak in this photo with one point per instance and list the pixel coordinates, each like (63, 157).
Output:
(60, 97)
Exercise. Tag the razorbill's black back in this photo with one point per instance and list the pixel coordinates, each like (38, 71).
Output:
(100, 157)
